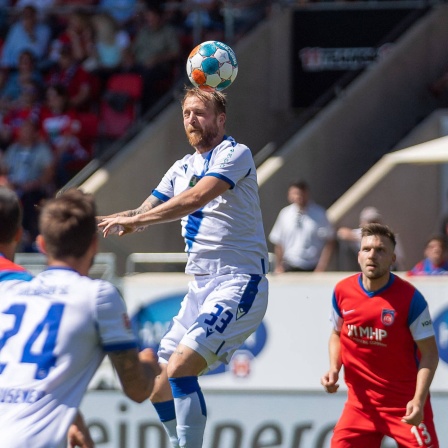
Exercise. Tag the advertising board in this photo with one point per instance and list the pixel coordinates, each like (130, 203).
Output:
(270, 394)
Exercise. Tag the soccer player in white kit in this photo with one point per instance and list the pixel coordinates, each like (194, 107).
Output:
(214, 193)
(10, 237)
(56, 329)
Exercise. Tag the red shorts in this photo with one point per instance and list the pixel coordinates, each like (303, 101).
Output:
(360, 428)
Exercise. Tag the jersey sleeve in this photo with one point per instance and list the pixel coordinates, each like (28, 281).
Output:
(327, 231)
(232, 163)
(12, 271)
(114, 326)
(276, 234)
(419, 319)
(165, 190)
(417, 269)
(336, 316)
(15, 275)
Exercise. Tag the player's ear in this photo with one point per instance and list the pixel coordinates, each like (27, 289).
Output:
(394, 258)
(359, 258)
(222, 119)
(94, 245)
(41, 244)
(18, 235)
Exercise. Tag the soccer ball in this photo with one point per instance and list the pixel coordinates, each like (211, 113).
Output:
(212, 65)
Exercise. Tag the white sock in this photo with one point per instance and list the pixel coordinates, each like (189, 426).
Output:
(167, 416)
(191, 412)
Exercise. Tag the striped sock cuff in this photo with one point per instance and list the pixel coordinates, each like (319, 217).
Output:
(183, 386)
(165, 410)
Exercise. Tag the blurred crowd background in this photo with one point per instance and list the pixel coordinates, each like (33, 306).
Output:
(74, 75)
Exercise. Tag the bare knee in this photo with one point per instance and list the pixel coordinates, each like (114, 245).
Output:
(178, 366)
(185, 362)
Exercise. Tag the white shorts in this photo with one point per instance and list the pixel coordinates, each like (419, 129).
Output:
(216, 316)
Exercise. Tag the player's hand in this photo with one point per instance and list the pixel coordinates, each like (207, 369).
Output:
(279, 268)
(98, 219)
(414, 413)
(116, 226)
(345, 233)
(151, 366)
(330, 381)
(78, 434)
(148, 357)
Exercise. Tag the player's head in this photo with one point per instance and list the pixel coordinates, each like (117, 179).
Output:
(370, 215)
(381, 230)
(298, 193)
(10, 216)
(67, 225)
(435, 249)
(217, 100)
(204, 115)
(377, 252)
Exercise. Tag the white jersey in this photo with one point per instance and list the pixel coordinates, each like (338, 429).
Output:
(54, 333)
(226, 235)
(302, 235)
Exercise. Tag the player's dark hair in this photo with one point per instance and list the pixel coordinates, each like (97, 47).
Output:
(10, 215)
(67, 224)
(439, 238)
(301, 185)
(376, 229)
(217, 99)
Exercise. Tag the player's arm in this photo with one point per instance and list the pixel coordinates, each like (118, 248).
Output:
(78, 434)
(278, 252)
(330, 379)
(207, 189)
(347, 234)
(147, 205)
(427, 368)
(325, 256)
(136, 371)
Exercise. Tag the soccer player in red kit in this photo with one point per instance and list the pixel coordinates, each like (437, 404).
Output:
(383, 336)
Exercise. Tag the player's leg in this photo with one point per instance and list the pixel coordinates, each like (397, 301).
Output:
(163, 402)
(231, 308)
(423, 435)
(184, 366)
(191, 414)
(355, 429)
(162, 398)
(407, 436)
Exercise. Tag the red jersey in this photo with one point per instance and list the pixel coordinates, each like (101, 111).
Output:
(54, 125)
(12, 271)
(377, 334)
(73, 79)
(14, 118)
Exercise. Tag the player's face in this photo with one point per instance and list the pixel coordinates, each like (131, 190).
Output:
(204, 128)
(376, 256)
(435, 252)
(298, 196)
